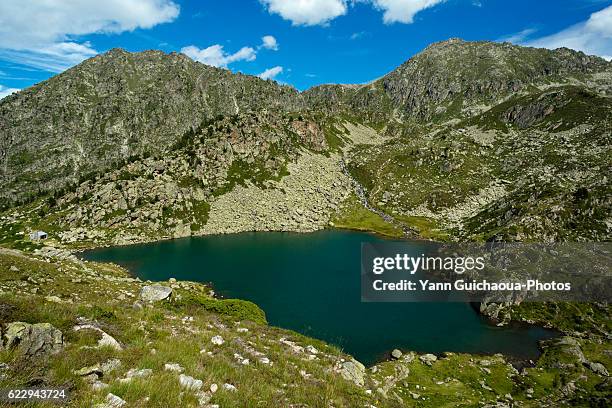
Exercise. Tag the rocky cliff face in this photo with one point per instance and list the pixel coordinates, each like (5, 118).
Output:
(113, 107)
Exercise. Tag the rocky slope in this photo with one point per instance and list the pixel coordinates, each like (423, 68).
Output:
(456, 78)
(533, 168)
(115, 106)
(213, 148)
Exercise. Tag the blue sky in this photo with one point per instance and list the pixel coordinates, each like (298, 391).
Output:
(299, 42)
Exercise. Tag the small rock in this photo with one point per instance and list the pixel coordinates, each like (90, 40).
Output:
(13, 268)
(353, 371)
(109, 341)
(485, 386)
(138, 373)
(213, 388)
(190, 383)
(396, 354)
(106, 340)
(110, 365)
(173, 367)
(85, 371)
(98, 385)
(312, 349)
(229, 387)
(203, 397)
(91, 378)
(217, 340)
(112, 401)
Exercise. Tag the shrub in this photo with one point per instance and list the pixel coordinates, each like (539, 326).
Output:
(236, 308)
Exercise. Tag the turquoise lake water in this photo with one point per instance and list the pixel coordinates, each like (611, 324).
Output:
(310, 283)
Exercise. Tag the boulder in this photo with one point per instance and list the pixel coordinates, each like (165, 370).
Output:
(173, 367)
(353, 371)
(33, 340)
(106, 340)
(598, 368)
(229, 387)
(396, 354)
(428, 359)
(155, 293)
(217, 340)
(138, 373)
(112, 401)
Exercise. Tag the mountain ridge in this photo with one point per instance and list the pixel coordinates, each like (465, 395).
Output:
(119, 106)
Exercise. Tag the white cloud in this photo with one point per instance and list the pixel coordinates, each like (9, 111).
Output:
(402, 11)
(43, 34)
(216, 56)
(321, 12)
(593, 36)
(269, 42)
(270, 73)
(307, 12)
(54, 58)
(519, 37)
(4, 91)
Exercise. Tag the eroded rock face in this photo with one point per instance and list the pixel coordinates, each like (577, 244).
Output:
(32, 340)
(155, 293)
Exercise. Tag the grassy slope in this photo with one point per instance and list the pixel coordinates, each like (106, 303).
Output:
(164, 332)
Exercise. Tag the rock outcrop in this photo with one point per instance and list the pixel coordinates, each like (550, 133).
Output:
(155, 293)
(32, 340)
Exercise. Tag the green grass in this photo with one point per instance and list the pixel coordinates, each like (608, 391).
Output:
(426, 227)
(236, 308)
(355, 217)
